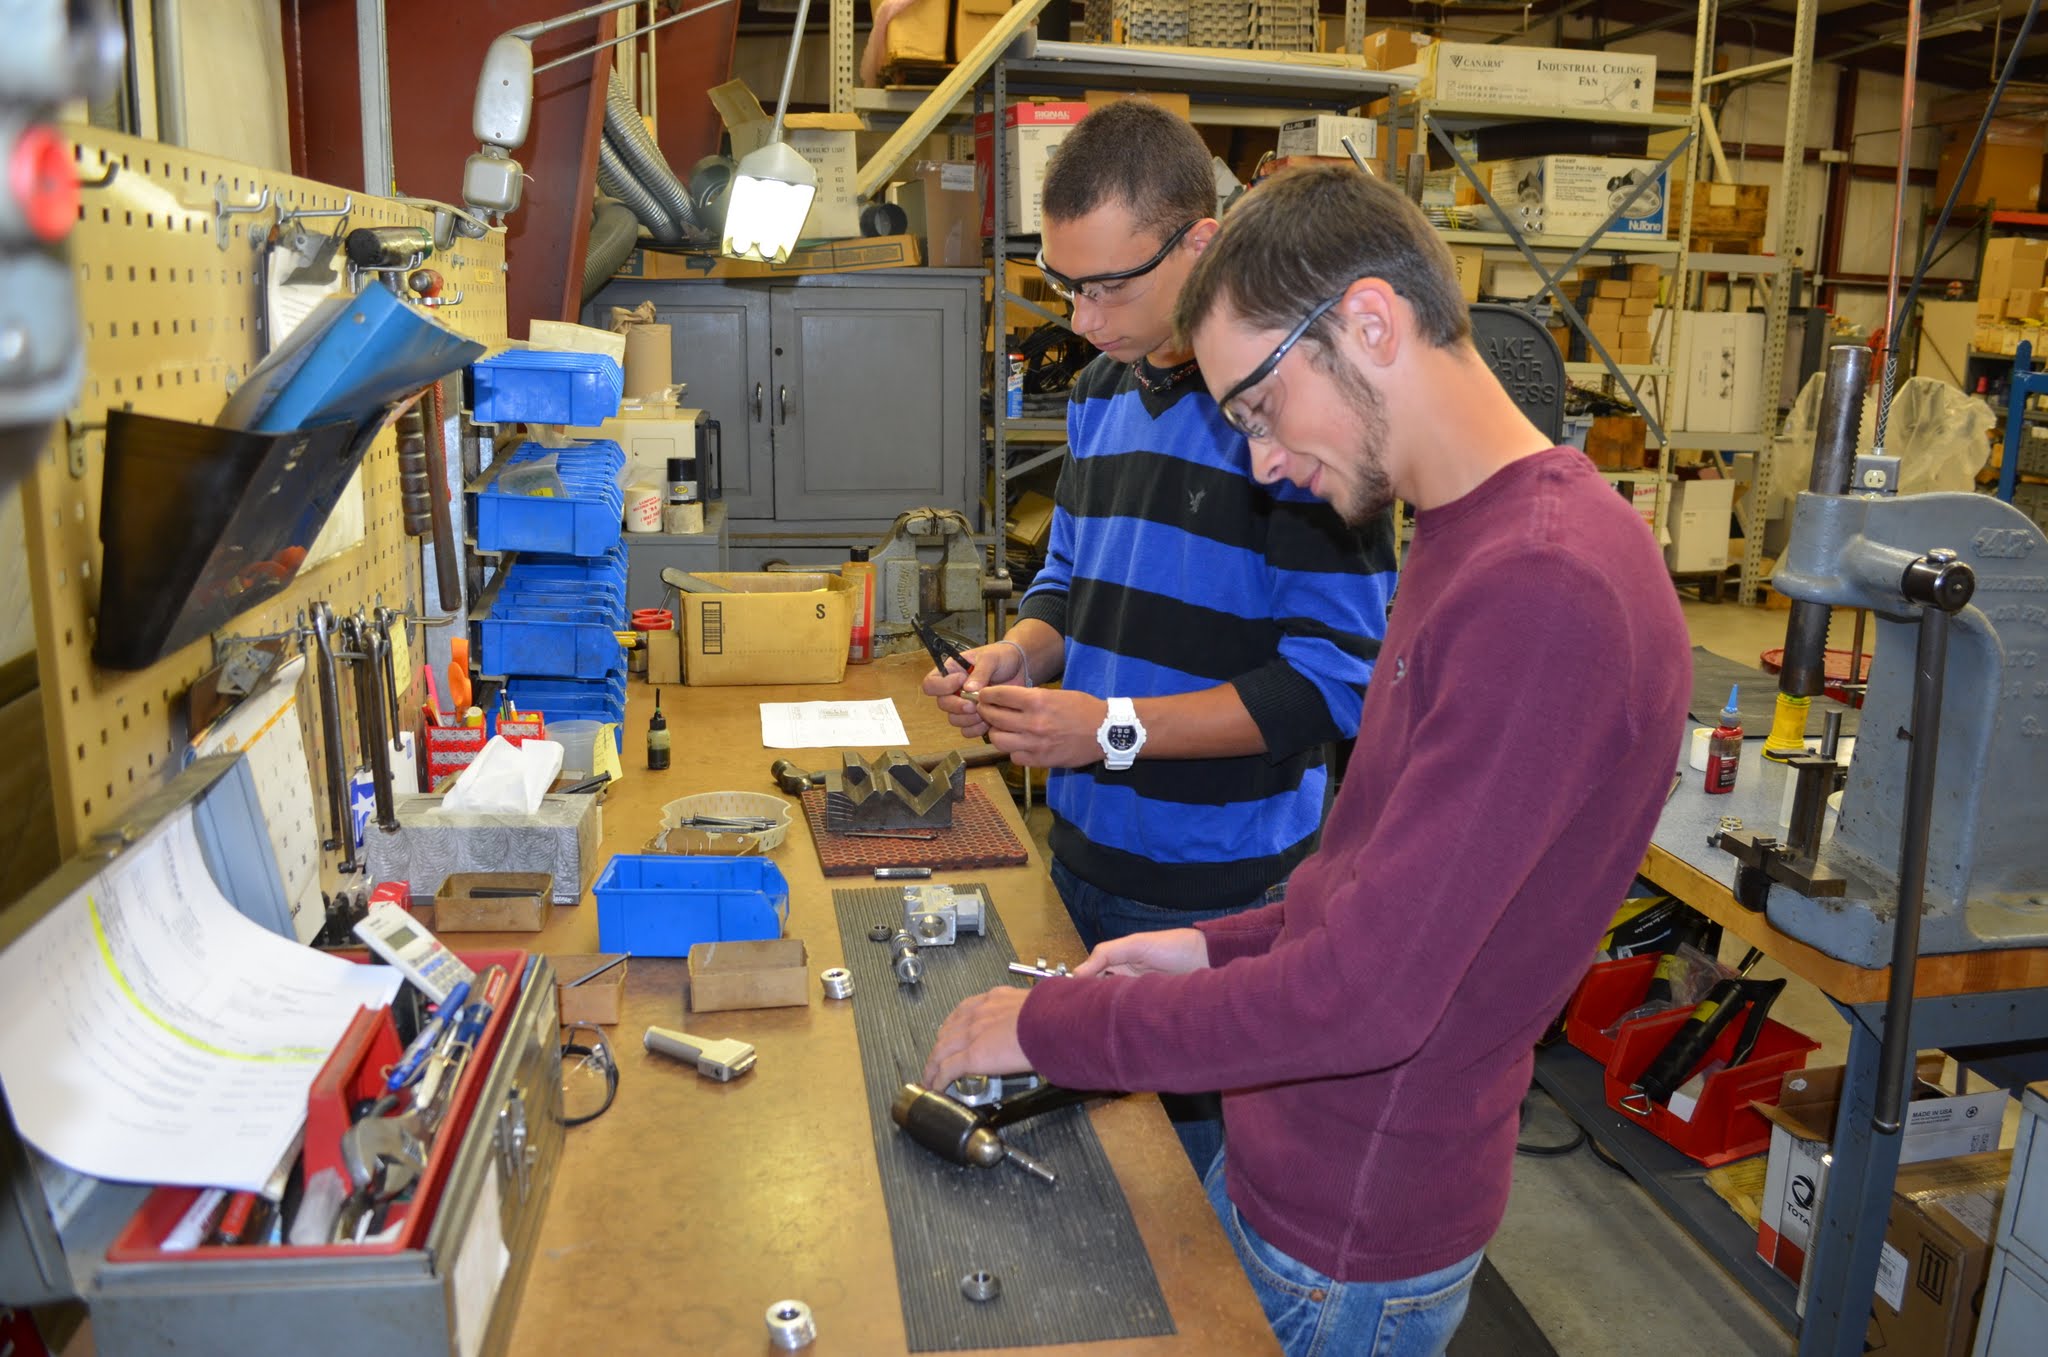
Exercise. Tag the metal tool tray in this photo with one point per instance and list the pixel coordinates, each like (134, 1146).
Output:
(406, 1304)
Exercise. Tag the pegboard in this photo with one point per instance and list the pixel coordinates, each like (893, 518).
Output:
(169, 321)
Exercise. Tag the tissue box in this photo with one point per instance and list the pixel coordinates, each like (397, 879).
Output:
(431, 845)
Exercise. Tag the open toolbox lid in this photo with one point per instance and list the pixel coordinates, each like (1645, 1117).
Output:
(56, 1224)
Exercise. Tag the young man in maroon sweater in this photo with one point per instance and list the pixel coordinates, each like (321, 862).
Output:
(1374, 1031)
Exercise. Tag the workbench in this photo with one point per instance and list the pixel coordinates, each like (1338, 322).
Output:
(1989, 1009)
(682, 1213)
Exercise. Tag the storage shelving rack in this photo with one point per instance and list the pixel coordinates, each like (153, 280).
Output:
(1218, 81)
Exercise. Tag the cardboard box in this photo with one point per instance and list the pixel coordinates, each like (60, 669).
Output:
(770, 628)
(1392, 48)
(1545, 77)
(1699, 526)
(1030, 520)
(493, 902)
(1638, 307)
(2019, 303)
(1643, 496)
(972, 20)
(1936, 1254)
(1469, 261)
(945, 212)
(1324, 135)
(1572, 194)
(1603, 312)
(1615, 442)
(1615, 288)
(918, 34)
(598, 999)
(1718, 372)
(840, 256)
(1635, 323)
(561, 335)
(1031, 133)
(2005, 176)
(1938, 1126)
(1646, 273)
(1649, 289)
(649, 433)
(2011, 264)
(1173, 103)
(823, 139)
(664, 658)
(774, 973)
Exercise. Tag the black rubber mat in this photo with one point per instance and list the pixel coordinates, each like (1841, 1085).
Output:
(1496, 1323)
(1069, 1258)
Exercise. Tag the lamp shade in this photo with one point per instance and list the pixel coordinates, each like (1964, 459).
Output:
(771, 195)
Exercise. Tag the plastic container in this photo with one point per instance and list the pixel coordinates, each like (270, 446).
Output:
(759, 804)
(1610, 989)
(658, 905)
(578, 739)
(585, 521)
(1723, 1126)
(550, 644)
(530, 386)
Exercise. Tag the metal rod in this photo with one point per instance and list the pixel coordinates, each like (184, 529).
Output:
(1930, 661)
(447, 551)
(1830, 733)
(327, 677)
(375, 735)
(796, 47)
(1746, 72)
(1856, 650)
(1892, 319)
(1804, 673)
(596, 47)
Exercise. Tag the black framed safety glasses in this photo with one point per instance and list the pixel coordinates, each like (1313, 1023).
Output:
(1070, 288)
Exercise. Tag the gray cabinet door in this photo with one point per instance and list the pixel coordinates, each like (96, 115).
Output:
(719, 337)
(872, 405)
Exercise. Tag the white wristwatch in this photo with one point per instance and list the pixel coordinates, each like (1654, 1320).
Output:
(1121, 735)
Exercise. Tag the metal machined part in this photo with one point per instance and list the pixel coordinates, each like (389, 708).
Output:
(790, 1325)
(908, 965)
(838, 982)
(974, 1090)
(881, 933)
(981, 1285)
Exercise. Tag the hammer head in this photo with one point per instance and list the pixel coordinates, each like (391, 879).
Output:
(794, 780)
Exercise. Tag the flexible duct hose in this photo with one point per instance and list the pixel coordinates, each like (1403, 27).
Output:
(618, 182)
(613, 232)
(644, 159)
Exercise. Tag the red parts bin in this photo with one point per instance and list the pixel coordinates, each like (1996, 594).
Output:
(1724, 1126)
(1610, 989)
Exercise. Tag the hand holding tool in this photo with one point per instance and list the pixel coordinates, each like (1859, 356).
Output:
(944, 652)
(724, 1059)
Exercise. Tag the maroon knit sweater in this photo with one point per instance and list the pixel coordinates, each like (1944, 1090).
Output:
(1374, 1032)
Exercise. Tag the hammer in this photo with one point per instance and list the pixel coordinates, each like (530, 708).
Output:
(794, 781)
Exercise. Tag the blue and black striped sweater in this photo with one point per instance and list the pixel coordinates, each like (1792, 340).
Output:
(1171, 570)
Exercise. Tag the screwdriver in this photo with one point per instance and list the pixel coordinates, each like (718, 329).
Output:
(958, 1133)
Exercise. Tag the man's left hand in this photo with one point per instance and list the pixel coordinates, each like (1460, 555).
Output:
(978, 1037)
(1044, 727)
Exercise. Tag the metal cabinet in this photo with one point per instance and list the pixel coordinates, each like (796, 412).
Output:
(844, 398)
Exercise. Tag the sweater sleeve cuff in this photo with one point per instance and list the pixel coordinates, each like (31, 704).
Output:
(1250, 933)
(1048, 606)
(1288, 709)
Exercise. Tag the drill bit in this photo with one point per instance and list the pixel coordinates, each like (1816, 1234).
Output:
(1035, 1167)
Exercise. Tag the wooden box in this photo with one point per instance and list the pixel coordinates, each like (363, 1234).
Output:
(1615, 442)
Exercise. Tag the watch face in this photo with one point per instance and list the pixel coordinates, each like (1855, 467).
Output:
(1123, 737)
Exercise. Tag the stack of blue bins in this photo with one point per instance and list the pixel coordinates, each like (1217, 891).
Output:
(552, 629)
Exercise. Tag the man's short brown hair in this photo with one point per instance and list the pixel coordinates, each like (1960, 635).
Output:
(1137, 154)
(1303, 237)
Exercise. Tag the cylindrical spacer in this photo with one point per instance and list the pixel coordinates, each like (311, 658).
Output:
(838, 982)
(790, 1325)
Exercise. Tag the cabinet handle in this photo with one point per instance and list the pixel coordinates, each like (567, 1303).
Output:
(757, 402)
(782, 396)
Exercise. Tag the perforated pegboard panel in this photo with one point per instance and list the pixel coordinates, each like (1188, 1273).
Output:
(170, 323)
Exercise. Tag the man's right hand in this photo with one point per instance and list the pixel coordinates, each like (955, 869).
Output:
(1171, 951)
(993, 664)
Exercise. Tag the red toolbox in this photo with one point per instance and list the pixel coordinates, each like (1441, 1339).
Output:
(1723, 1125)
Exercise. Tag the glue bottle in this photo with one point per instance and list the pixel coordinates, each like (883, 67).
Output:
(860, 573)
(657, 736)
(1724, 748)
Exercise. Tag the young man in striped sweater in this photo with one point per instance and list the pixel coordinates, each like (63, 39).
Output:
(1213, 636)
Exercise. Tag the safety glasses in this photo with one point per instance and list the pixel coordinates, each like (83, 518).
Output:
(1232, 403)
(1102, 289)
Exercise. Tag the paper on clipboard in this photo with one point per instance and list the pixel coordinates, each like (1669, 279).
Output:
(150, 1033)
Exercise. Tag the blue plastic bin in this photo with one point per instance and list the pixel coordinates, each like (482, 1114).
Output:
(530, 386)
(660, 905)
(586, 522)
(551, 644)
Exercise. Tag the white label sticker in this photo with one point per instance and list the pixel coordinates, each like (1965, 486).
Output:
(1891, 1278)
(480, 1265)
(956, 178)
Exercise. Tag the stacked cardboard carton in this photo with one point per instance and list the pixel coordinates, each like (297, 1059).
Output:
(2011, 302)
(1619, 302)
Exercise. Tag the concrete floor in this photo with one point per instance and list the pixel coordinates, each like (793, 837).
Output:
(1599, 1265)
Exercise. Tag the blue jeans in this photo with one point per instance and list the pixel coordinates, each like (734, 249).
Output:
(1099, 916)
(1315, 1316)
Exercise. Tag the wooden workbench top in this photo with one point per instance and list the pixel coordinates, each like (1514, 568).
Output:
(1680, 862)
(682, 1213)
